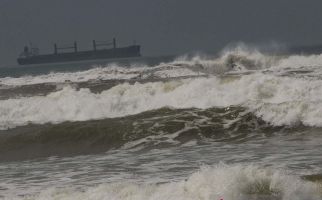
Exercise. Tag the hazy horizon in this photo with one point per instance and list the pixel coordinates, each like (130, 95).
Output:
(162, 27)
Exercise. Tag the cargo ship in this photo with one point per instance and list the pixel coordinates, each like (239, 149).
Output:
(101, 50)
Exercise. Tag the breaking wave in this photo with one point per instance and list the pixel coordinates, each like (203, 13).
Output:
(232, 60)
(235, 182)
(229, 106)
(278, 100)
(158, 128)
(98, 73)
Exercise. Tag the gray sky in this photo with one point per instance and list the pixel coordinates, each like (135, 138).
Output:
(160, 26)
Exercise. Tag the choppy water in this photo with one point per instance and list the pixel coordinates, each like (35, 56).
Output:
(239, 126)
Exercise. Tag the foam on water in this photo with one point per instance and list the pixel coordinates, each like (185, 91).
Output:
(238, 59)
(97, 73)
(268, 90)
(234, 182)
(278, 100)
(109, 72)
(182, 66)
(260, 84)
(299, 61)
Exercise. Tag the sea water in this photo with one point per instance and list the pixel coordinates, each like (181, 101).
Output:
(238, 126)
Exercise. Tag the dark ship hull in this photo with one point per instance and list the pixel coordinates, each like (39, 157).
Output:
(123, 52)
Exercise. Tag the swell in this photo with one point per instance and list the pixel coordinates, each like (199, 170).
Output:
(228, 182)
(237, 59)
(112, 71)
(160, 128)
(278, 100)
(95, 86)
(41, 70)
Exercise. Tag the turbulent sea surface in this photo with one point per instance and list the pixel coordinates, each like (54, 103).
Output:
(238, 126)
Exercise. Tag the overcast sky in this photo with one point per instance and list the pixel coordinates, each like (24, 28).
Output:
(160, 26)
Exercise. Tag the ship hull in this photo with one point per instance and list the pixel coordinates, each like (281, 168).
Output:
(124, 52)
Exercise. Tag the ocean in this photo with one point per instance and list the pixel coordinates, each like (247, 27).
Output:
(241, 125)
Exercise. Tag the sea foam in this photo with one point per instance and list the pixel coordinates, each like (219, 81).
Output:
(209, 183)
(273, 88)
(242, 59)
(279, 100)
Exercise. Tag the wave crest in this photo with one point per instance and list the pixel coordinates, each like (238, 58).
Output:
(240, 58)
(210, 183)
(277, 100)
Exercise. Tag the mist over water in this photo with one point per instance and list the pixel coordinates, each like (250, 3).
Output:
(241, 125)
